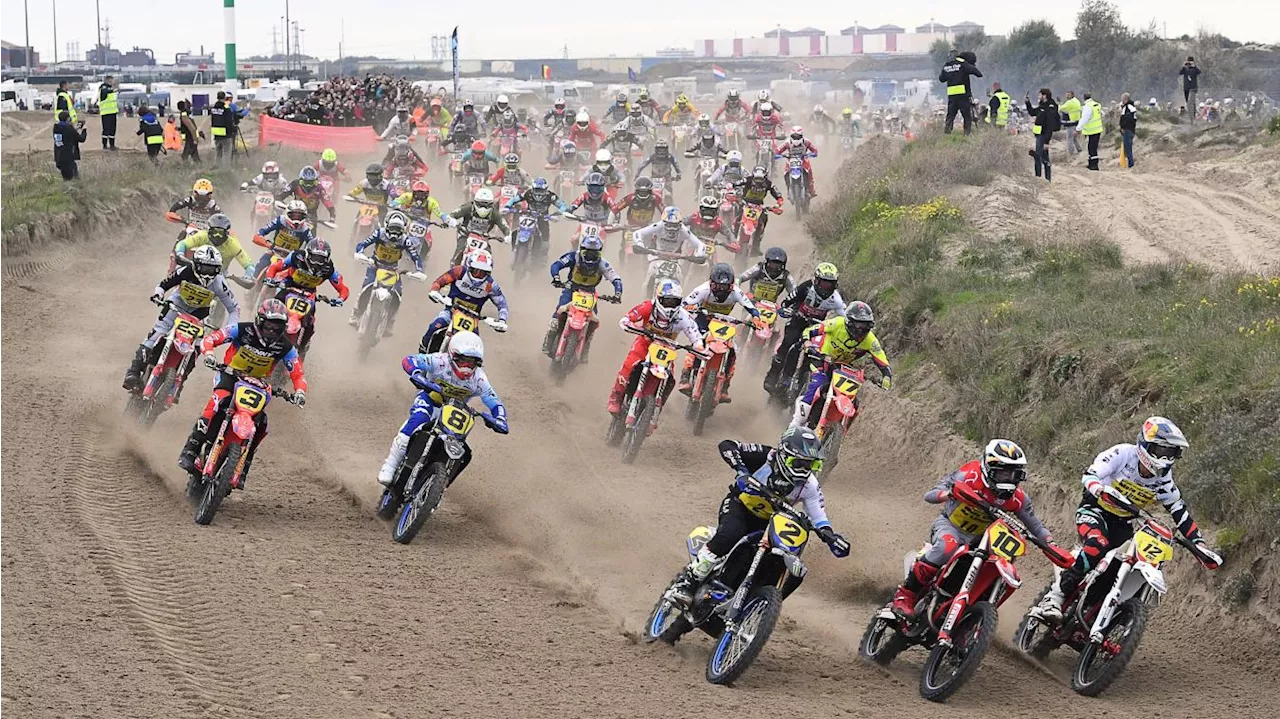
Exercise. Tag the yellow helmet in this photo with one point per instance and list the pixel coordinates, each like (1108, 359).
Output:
(202, 187)
(682, 100)
(847, 112)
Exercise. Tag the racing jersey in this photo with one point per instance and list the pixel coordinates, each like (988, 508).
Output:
(663, 165)
(278, 188)
(284, 239)
(704, 230)
(766, 288)
(579, 277)
(754, 460)
(469, 221)
(733, 174)
(195, 211)
(185, 290)
(639, 214)
(389, 251)
(230, 249)
(680, 115)
(972, 520)
(641, 317)
(417, 210)
(733, 112)
(833, 341)
(438, 368)
(250, 353)
(702, 299)
(469, 294)
(1118, 467)
(755, 192)
(519, 178)
(597, 211)
(541, 206)
(473, 164)
(295, 272)
(654, 237)
(810, 305)
(378, 194)
(313, 198)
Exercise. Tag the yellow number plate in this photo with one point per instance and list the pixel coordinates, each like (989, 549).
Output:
(459, 421)
(722, 331)
(970, 519)
(1004, 542)
(751, 212)
(661, 354)
(250, 398)
(298, 305)
(846, 383)
(584, 301)
(790, 533)
(367, 211)
(387, 278)
(463, 322)
(188, 329)
(1151, 547)
(769, 316)
(254, 364)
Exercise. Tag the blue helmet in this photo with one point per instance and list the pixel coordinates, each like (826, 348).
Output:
(595, 185)
(589, 248)
(540, 183)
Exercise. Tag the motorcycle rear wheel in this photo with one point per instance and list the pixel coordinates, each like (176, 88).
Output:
(415, 513)
(370, 326)
(831, 442)
(215, 488)
(735, 650)
(617, 429)
(971, 637)
(881, 643)
(1090, 678)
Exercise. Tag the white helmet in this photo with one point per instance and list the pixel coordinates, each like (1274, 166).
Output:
(667, 299)
(483, 202)
(479, 267)
(763, 96)
(766, 106)
(1160, 444)
(582, 118)
(466, 353)
(817, 110)
(502, 100)
(206, 261)
(603, 155)
(704, 118)
(559, 102)
(734, 158)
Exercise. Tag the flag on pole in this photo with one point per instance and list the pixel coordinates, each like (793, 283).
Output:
(546, 72)
(631, 74)
(718, 72)
(457, 75)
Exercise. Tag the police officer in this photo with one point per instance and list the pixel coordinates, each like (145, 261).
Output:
(1090, 125)
(998, 114)
(108, 109)
(222, 125)
(62, 102)
(956, 74)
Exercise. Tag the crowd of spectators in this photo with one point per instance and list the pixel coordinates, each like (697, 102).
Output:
(351, 101)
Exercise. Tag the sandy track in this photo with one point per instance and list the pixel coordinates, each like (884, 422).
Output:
(521, 598)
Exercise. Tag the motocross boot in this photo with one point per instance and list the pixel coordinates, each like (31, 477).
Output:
(399, 446)
(1050, 606)
(904, 600)
(133, 375)
(554, 328)
(616, 397)
(801, 414)
(694, 575)
(195, 443)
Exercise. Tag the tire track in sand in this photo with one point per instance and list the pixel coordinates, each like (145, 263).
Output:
(163, 597)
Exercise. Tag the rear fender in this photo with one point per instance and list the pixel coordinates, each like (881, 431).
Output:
(844, 405)
(382, 294)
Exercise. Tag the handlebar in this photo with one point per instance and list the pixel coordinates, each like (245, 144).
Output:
(686, 347)
(278, 392)
(331, 301)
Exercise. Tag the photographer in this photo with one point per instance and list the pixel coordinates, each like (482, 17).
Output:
(1190, 74)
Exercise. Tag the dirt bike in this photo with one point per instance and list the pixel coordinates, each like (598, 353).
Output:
(456, 175)
(381, 301)
(955, 617)
(166, 377)
(797, 187)
(221, 467)
(750, 231)
(1105, 618)
(706, 168)
(647, 391)
(764, 153)
(474, 181)
(366, 219)
(528, 243)
(568, 181)
(191, 226)
(578, 317)
(739, 603)
(665, 266)
(462, 318)
(711, 376)
(420, 230)
(761, 343)
(831, 415)
(475, 242)
(300, 305)
(508, 142)
(732, 136)
(265, 209)
(433, 140)
(429, 466)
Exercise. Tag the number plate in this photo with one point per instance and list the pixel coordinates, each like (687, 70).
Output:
(787, 533)
(387, 278)
(1004, 542)
(795, 163)
(722, 331)
(1151, 547)
(661, 354)
(585, 301)
(751, 212)
(528, 222)
(459, 421)
(477, 243)
(188, 327)
(463, 322)
(298, 305)
(418, 229)
(846, 383)
(769, 316)
(249, 398)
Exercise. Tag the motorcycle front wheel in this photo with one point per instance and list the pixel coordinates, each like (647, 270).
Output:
(415, 513)
(881, 643)
(1033, 636)
(666, 622)
(636, 434)
(1101, 664)
(738, 647)
(949, 667)
(219, 485)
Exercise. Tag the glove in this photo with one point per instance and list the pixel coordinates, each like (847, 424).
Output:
(436, 297)
(838, 545)
(453, 222)
(337, 302)
(157, 295)
(746, 483)
(360, 257)
(300, 398)
(497, 424)
(886, 383)
(498, 325)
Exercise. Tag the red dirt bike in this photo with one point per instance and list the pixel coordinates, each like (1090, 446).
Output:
(166, 377)
(711, 377)
(366, 219)
(220, 468)
(433, 141)
(329, 184)
(956, 615)
(301, 324)
(649, 386)
(265, 209)
(508, 141)
(750, 233)
(761, 343)
(831, 416)
(578, 318)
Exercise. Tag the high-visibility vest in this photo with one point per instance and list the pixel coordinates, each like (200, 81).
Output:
(107, 105)
(1094, 125)
(172, 138)
(1072, 108)
(71, 105)
(153, 132)
(957, 89)
(1002, 112)
(219, 118)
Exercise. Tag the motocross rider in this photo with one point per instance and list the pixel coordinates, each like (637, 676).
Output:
(842, 340)
(465, 127)
(495, 112)
(400, 125)
(753, 190)
(995, 480)
(796, 146)
(308, 189)
(622, 140)
(706, 223)
(470, 285)
(617, 112)
(374, 189)
(218, 235)
(663, 163)
(1122, 478)
(328, 165)
(706, 144)
(639, 125)
(289, 231)
(769, 280)
(477, 216)
(648, 106)
(402, 160)
(717, 295)
(765, 123)
(199, 205)
(681, 113)
(556, 121)
(731, 171)
(458, 373)
(437, 116)
(539, 199)
(585, 133)
(586, 270)
(565, 157)
(390, 243)
(510, 173)
(605, 168)
(269, 180)
(668, 237)
(477, 161)
(418, 203)
(509, 125)
(197, 284)
(813, 300)
(788, 471)
(596, 203)
(641, 204)
(733, 109)
(825, 123)
(663, 315)
(255, 348)
(761, 99)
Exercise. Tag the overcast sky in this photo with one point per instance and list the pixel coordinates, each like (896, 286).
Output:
(381, 27)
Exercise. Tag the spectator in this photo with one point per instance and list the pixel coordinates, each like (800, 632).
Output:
(191, 135)
(66, 145)
(1070, 108)
(1128, 126)
(152, 133)
(349, 101)
(1190, 74)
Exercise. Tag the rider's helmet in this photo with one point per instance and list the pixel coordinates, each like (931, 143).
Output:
(620, 98)
(308, 177)
(206, 262)
(635, 112)
(763, 96)
(1004, 467)
(797, 136)
(295, 215)
(483, 202)
(559, 104)
(661, 148)
(396, 224)
(817, 110)
(721, 281)
(479, 268)
(734, 98)
(421, 191)
(219, 229)
(271, 172)
(271, 320)
(846, 113)
(644, 189)
(644, 95)
(672, 221)
(797, 457)
(503, 103)
(402, 147)
(604, 160)
(468, 106)
(403, 113)
(766, 109)
(595, 185)
(667, 298)
(540, 190)
(775, 262)
(734, 159)
(477, 148)
(825, 279)
(202, 191)
(568, 148)
(582, 120)
(436, 105)
(512, 161)
(758, 173)
(682, 101)
(859, 319)
(704, 122)
(466, 354)
(1160, 444)
(373, 174)
(508, 119)
(589, 249)
(317, 255)
(708, 208)
(329, 159)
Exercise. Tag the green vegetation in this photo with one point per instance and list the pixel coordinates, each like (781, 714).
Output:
(1052, 339)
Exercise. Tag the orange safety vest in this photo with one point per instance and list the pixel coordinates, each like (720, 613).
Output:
(172, 138)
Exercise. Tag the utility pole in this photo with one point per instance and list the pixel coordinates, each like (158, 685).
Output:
(55, 32)
(97, 8)
(287, 56)
(26, 52)
(229, 38)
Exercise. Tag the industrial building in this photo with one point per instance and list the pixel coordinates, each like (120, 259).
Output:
(853, 40)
